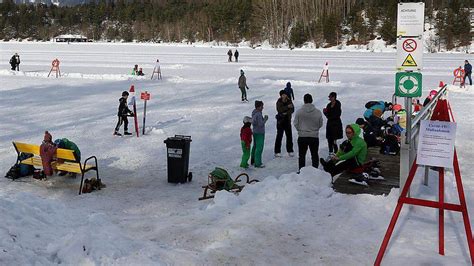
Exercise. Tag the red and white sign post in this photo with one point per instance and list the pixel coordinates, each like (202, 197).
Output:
(146, 97)
(133, 102)
(459, 76)
(325, 73)
(55, 67)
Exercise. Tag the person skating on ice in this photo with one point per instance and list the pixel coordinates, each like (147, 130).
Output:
(243, 86)
(123, 113)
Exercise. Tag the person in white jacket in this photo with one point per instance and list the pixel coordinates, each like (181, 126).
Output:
(308, 121)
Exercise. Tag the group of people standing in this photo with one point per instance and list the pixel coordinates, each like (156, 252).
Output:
(236, 55)
(136, 71)
(307, 121)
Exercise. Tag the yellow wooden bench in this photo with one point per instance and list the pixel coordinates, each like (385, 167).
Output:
(72, 165)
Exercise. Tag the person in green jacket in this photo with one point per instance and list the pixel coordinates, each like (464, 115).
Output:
(65, 143)
(352, 153)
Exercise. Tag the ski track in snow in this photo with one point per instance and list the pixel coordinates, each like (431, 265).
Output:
(140, 219)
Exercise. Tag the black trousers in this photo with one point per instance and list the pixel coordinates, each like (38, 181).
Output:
(284, 128)
(122, 119)
(303, 144)
(332, 145)
(339, 167)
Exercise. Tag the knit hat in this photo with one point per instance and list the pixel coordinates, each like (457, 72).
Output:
(397, 107)
(125, 93)
(247, 119)
(360, 121)
(258, 104)
(377, 113)
(283, 92)
(241, 72)
(47, 137)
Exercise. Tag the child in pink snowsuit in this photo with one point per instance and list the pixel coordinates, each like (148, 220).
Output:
(47, 153)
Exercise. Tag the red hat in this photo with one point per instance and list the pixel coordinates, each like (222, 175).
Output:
(47, 137)
(397, 107)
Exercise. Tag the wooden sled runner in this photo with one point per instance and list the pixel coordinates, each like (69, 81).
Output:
(219, 179)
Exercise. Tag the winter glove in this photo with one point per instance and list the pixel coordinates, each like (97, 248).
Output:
(265, 118)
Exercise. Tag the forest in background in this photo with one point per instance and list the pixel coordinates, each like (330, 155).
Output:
(294, 22)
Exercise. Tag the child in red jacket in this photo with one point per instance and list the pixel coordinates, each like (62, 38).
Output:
(246, 140)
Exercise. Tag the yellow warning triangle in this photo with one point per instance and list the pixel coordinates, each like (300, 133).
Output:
(409, 61)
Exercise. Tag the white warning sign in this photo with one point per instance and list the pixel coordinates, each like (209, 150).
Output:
(410, 19)
(409, 54)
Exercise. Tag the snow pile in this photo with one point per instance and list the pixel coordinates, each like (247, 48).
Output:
(44, 231)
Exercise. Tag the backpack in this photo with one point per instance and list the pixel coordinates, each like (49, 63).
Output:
(222, 179)
(25, 169)
(14, 172)
(346, 146)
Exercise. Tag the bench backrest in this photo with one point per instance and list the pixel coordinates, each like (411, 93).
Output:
(35, 149)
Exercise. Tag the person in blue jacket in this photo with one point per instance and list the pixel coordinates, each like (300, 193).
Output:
(289, 91)
(374, 105)
(467, 72)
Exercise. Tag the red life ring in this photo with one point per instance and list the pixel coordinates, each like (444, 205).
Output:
(458, 72)
(55, 63)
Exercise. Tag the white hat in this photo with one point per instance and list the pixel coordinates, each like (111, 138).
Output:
(247, 119)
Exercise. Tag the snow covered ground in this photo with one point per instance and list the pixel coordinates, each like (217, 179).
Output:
(140, 219)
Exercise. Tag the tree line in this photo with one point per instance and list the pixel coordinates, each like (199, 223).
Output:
(294, 22)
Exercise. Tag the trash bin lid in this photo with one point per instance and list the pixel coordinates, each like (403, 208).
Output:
(178, 138)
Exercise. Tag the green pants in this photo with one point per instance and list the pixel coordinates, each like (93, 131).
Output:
(257, 149)
(245, 156)
(244, 93)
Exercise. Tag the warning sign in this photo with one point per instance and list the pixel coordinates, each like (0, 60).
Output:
(409, 61)
(409, 54)
(409, 45)
(410, 19)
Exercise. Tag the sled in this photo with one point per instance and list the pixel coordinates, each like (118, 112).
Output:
(216, 183)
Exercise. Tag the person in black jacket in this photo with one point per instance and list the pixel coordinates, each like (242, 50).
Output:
(370, 136)
(229, 53)
(334, 124)
(15, 62)
(467, 72)
(236, 55)
(285, 110)
(122, 114)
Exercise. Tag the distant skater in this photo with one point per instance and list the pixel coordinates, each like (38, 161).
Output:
(229, 53)
(236, 55)
(243, 86)
(15, 62)
(467, 72)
